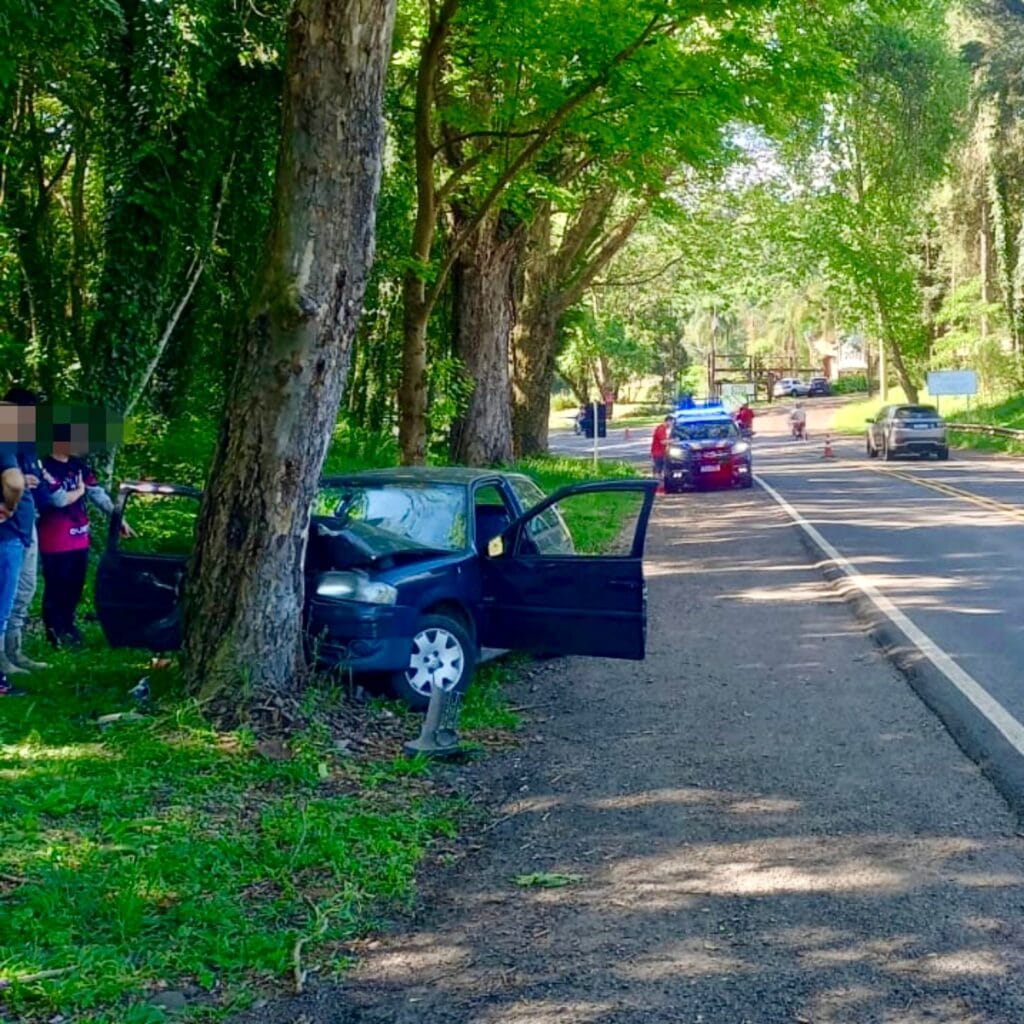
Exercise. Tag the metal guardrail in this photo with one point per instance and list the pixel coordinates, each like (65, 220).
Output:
(984, 428)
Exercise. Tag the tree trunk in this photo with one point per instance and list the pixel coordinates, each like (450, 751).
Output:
(245, 587)
(484, 316)
(412, 393)
(534, 342)
(535, 349)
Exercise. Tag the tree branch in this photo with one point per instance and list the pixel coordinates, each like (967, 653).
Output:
(526, 156)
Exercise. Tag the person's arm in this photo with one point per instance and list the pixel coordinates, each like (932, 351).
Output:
(100, 498)
(12, 486)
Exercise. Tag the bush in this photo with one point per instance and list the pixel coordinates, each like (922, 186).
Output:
(853, 384)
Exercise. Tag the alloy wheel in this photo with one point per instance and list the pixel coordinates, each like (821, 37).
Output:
(436, 654)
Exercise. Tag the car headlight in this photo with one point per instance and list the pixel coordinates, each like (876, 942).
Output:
(740, 449)
(355, 586)
(676, 452)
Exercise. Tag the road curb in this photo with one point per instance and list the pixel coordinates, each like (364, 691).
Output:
(972, 731)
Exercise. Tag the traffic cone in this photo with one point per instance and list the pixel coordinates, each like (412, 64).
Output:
(828, 453)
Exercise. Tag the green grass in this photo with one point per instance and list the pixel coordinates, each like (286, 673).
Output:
(164, 853)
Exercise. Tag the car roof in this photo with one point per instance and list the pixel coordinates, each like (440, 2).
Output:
(418, 475)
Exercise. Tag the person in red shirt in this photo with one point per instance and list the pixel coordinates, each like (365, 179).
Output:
(662, 433)
(745, 417)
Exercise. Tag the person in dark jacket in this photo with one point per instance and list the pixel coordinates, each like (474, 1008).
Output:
(13, 659)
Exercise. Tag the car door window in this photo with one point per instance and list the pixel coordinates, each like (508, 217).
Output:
(584, 525)
(492, 514)
(163, 524)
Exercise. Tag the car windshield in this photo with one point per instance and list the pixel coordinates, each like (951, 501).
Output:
(429, 515)
(708, 430)
(916, 412)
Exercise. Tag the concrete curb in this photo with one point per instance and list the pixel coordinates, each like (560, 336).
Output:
(976, 736)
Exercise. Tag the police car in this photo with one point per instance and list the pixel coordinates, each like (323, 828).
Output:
(706, 449)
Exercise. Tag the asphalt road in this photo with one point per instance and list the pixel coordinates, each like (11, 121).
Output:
(936, 551)
(758, 824)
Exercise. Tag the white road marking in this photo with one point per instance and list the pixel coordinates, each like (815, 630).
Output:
(986, 704)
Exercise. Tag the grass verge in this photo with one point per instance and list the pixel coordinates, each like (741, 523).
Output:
(161, 854)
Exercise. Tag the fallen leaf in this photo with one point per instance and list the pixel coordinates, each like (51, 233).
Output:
(547, 880)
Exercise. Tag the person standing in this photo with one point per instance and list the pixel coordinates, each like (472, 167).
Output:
(64, 536)
(745, 418)
(13, 660)
(16, 518)
(659, 444)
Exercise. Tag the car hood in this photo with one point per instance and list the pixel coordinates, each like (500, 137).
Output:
(347, 544)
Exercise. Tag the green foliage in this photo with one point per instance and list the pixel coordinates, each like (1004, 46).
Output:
(849, 385)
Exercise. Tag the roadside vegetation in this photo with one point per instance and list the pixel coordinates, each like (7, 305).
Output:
(158, 853)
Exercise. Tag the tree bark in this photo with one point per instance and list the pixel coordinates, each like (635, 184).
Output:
(554, 280)
(484, 315)
(244, 594)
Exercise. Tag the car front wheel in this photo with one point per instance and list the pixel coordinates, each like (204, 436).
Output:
(943, 454)
(441, 650)
(872, 453)
(887, 452)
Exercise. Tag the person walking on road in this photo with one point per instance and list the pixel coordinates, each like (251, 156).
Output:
(659, 443)
(798, 422)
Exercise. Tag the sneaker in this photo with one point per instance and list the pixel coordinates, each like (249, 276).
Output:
(6, 690)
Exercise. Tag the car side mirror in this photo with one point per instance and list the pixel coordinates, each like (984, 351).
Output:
(496, 547)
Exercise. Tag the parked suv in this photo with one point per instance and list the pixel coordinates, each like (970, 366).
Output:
(791, 387)
(907, 430)
(819, 387)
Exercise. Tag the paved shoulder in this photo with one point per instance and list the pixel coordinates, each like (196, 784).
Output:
(759, 824)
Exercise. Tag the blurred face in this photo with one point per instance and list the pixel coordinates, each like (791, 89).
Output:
(17, 424)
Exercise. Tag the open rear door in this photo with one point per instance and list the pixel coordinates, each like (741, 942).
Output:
(138, 584)
(563, 580)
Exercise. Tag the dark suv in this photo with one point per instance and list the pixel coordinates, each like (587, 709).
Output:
(409, 572)
(819, 387)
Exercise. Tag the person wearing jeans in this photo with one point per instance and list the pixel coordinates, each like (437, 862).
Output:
(12, 658)
(16, 517)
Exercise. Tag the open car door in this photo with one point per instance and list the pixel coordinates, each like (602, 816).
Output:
(563, 580)
(138, 584)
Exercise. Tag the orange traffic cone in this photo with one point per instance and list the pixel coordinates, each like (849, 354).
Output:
(828, 453)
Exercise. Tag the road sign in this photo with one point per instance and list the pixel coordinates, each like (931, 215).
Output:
(744, 392)
(952, 382)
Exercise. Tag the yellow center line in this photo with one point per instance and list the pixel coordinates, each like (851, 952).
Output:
(990, 504)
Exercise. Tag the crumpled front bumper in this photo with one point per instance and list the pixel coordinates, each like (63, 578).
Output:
(363, 637)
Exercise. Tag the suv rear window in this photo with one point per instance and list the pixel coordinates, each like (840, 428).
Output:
(916, 412)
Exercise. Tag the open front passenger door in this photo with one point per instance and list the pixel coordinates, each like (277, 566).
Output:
(559, 580)
(138, 583)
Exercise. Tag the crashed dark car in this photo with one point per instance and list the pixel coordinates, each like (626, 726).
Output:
(706, 449)
(409, 573)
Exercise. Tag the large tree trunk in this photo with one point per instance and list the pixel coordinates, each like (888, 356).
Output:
(484, 316)
(245, 587)
(534, 341)
(533, 375)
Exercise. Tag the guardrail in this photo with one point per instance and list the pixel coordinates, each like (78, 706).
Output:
(984, 428)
